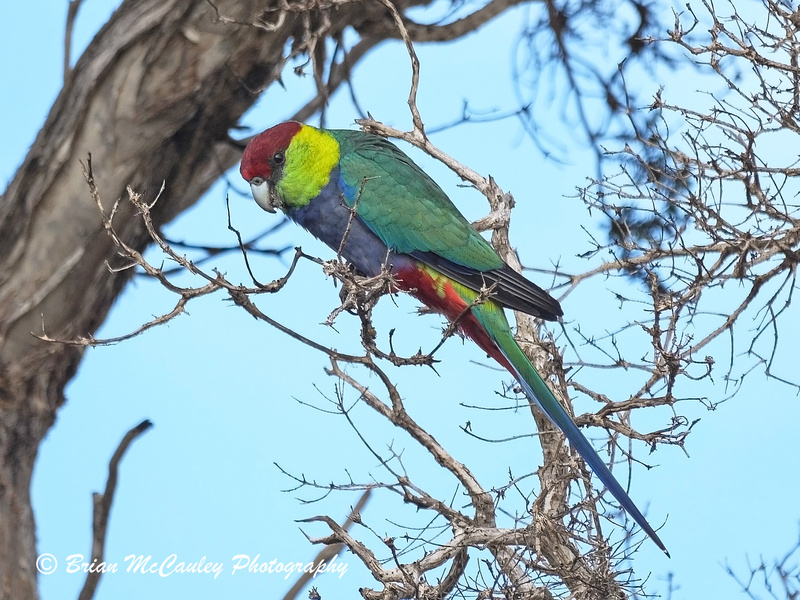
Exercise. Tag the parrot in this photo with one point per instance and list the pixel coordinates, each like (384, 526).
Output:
(367, 200)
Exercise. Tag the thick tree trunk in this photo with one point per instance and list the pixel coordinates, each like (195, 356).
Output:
(153, 99)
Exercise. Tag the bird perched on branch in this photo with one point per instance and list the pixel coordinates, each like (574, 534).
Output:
(367, 200)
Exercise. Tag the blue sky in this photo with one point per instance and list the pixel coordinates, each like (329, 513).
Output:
(228, 396)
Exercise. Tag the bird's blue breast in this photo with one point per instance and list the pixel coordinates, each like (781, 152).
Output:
(327, 217)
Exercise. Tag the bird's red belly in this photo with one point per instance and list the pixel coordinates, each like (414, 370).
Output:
(436, 291)
(433, 289)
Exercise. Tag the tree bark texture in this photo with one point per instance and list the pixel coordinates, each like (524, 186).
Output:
(152, 99)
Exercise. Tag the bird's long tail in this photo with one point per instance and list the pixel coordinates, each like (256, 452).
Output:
(494, 323)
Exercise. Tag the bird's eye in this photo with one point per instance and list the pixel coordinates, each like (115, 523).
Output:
(279, 158)
(256, 181)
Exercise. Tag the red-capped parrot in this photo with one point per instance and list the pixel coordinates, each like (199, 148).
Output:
(406, 222)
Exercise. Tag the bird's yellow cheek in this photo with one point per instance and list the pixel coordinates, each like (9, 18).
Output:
(310, 158)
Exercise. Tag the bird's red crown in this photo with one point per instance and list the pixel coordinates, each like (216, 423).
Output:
(257, 155)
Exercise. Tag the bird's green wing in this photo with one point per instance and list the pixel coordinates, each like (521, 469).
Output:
(404, 206)
(411, 214)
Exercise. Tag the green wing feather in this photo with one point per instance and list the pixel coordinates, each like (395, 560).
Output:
(404, 206)
(412, 215)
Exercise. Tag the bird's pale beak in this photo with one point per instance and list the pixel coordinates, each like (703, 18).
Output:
(265, 195)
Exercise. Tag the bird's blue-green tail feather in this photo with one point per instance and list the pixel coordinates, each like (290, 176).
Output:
(536, 389)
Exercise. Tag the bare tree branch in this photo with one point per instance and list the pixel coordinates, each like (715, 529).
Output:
(327, 553)
(102, 509)
(72, 12)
